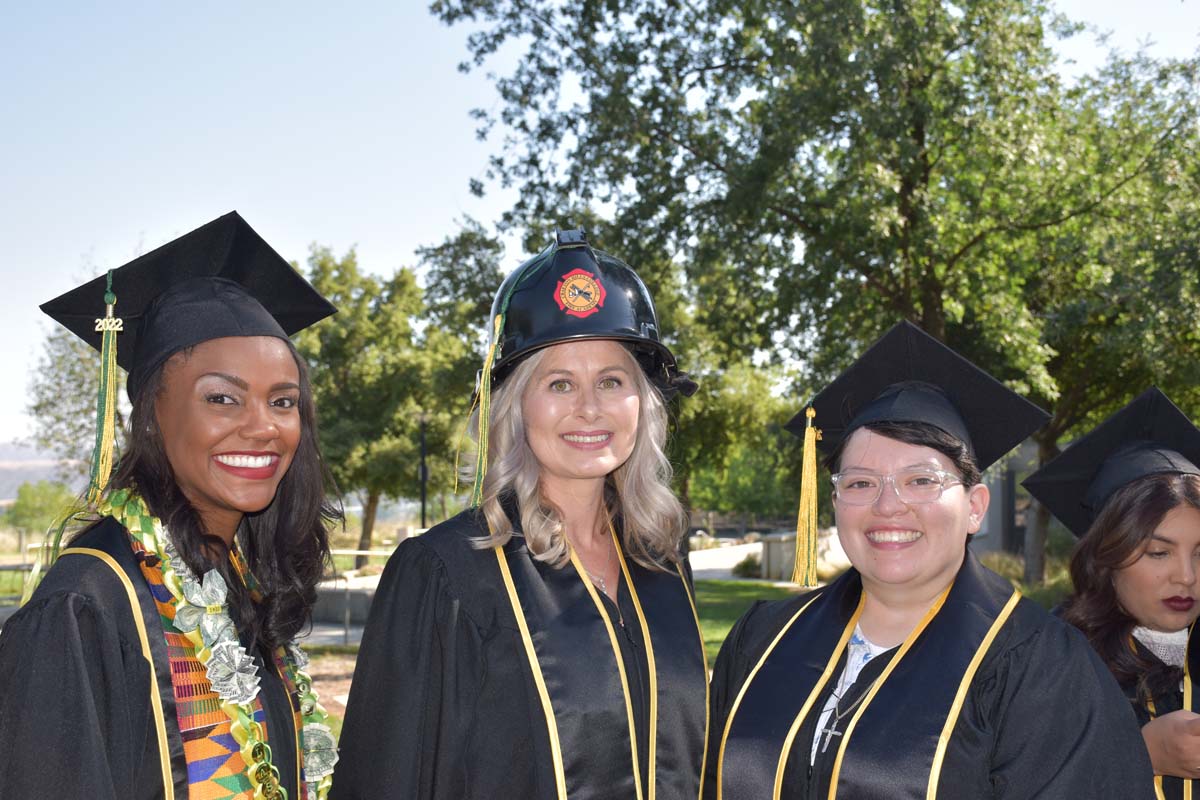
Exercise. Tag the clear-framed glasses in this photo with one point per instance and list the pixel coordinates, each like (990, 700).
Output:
(912, 486)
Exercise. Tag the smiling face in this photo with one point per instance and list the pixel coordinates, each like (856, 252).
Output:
(919, 546)
(581, 411)
(229, 416)
(1158, 588)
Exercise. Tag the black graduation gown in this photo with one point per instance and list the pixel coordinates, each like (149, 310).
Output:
(1169, 787)
(451, 699)
(76, 716)
(1038, 717)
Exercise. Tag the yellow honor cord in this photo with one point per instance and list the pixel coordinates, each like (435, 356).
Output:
(804, 571)
(485, 410)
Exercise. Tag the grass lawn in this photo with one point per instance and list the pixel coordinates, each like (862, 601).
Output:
(11, 583)
(721, 603)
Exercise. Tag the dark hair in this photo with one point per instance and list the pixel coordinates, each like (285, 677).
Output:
(921, 434)
(286, 545)
(1114, 541)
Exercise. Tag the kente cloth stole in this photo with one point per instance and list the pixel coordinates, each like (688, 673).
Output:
(576, 665)
(904, 705)
(215, 767)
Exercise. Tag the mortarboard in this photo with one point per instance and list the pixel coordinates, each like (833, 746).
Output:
(1149, 436)
(222, 279)
(906, 376)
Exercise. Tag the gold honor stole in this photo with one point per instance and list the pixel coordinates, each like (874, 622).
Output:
(1168, 787)
(576, 665)
(895, 742)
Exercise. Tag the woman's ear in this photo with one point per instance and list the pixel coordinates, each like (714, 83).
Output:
(978, 498)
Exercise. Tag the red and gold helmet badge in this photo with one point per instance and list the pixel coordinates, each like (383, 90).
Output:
(579, 293)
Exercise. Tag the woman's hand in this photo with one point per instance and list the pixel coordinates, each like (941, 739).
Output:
(1174, 744)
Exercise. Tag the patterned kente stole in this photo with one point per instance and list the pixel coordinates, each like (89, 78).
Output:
(215, 766)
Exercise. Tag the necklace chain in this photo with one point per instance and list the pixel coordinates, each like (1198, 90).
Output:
(599, 579)
(831, 729)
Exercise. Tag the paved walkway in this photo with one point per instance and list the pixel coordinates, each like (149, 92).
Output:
(325, 634)
(717, 563)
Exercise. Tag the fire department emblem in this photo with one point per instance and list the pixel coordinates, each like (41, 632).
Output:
(579, 293)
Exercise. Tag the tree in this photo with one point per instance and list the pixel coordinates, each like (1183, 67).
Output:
(378, 370)
(62, 389)
(361, 362)
(821, 170)
(760, 473)
(1120, 295)
(37, 507)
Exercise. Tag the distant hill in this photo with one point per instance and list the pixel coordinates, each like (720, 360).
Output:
(20, 463)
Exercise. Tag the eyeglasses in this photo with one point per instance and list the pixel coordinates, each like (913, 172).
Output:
(912, 486)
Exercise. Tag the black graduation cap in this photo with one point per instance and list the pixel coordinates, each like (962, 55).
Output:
(1149, 436)
(222, 279)
(908, 376)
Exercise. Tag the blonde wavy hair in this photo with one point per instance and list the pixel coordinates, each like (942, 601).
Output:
(638, 492)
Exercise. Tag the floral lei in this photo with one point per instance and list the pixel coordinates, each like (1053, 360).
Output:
(202, 615)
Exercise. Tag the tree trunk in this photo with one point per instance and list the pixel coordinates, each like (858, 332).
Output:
(368, 527)
(442, 502)
(1035, 527)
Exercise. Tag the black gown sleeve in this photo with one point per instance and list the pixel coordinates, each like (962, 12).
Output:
(1065, 729)
(729, 673)
(414, 689)
(73, 709)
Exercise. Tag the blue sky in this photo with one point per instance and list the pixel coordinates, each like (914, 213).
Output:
(129, 123)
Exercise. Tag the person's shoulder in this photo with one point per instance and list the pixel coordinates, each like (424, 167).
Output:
(80, 584)
(765, 618)
(82, 567)
(455, 538)
(1034, 639)
(452, 546)
(448, 556)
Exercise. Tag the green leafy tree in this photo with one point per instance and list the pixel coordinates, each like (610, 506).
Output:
(821, 170)
(362, 366)
(62, 390)
(380, 373)
(760, 473)
(37, 507)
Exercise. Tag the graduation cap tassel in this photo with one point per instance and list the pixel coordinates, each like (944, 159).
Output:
(485, 410)
(804, 572)
(106, 401)
(102, 454)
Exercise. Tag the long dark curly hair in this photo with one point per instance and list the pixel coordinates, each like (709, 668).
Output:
(1114, 541)
(286, 545)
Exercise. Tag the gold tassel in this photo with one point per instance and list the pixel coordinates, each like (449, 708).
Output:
(102, 453)
(485, 410)
(106, 402)
(804, 571)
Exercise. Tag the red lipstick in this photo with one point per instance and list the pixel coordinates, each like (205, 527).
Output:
(1180, 604)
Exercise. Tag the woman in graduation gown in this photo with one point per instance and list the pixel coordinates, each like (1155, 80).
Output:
(918, 673)
(1130, 489)
(544, 644)
(155, 659)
